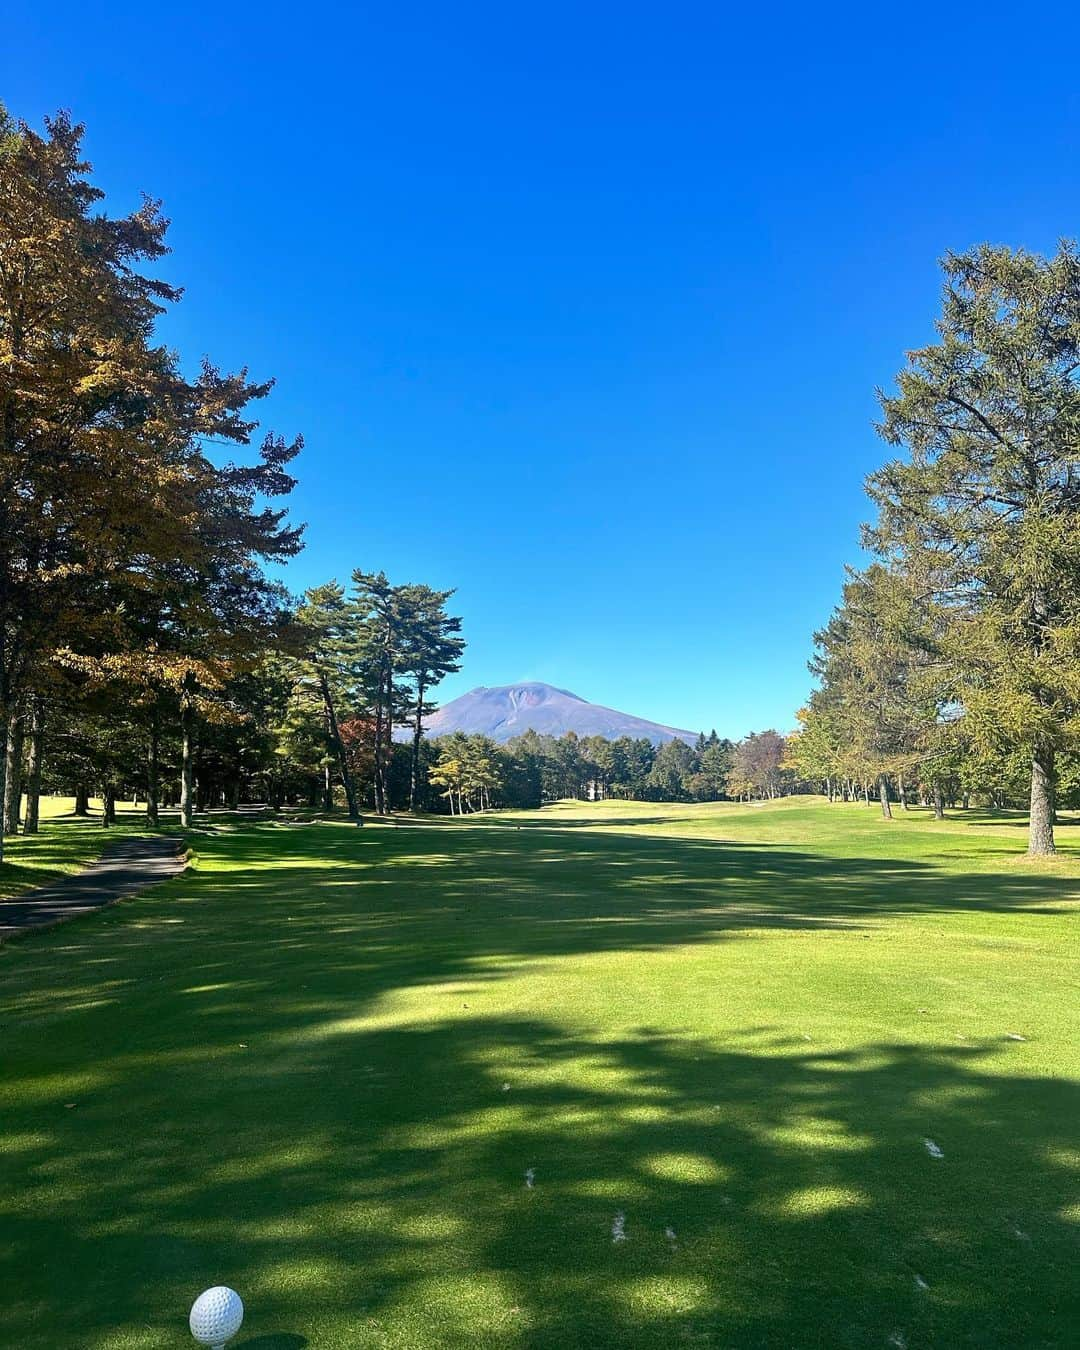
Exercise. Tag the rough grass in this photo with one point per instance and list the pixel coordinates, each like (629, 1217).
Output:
(319, 1067)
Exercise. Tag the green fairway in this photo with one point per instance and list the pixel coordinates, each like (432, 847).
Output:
(326, 1064)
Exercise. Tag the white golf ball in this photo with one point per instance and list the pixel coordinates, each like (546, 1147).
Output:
(216, 1315)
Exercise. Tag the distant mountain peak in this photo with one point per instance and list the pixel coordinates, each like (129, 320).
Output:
(522, 687)
(508, 710)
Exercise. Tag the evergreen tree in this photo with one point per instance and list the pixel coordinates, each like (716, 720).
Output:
(330, 671)
(433, 648)
(672, 765)
(985, 509)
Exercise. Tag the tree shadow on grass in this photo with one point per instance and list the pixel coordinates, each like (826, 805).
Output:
(647, 876)
(976, 815)
(209, 1085)
(578, 822)
(371, 1188)
(331, 910)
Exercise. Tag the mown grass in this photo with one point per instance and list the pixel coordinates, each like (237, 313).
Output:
(320, 1065)
(62, 846)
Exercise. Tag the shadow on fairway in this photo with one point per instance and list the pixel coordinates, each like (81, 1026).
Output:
(658, 888)
(285, 1342)
(230, 1098)
(771, 1194)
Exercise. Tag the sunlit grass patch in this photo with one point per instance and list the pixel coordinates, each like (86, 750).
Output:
(687, 1168)
(809, 1201)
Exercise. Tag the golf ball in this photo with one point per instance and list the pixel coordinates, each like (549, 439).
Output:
(216, 1315)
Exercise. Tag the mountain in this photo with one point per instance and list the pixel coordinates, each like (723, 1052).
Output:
(511, 709)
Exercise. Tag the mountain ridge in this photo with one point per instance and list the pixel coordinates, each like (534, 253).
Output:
(508, 710)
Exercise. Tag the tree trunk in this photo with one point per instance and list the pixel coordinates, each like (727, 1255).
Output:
(418, 731)
(153, 775)
(187, 764)
(883, 796)
(327, 789)
(33, 767)
(377, 748)
(3, 771)
(339, 746)
(939, 803)
(14, 776)
(902, 790)
(82, 800)
(383, 734)
(1041, 823)
(108, 805)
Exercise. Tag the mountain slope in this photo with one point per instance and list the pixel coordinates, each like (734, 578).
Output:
(511, 709)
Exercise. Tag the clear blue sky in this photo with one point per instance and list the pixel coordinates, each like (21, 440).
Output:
(580, 307)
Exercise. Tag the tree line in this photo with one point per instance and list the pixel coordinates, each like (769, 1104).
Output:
(951, 667)
(472, 773)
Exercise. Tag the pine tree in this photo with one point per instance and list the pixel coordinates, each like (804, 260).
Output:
(384, 614)
(331, 661)
(433, 647)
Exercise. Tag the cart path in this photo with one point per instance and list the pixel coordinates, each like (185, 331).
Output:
(126, 867)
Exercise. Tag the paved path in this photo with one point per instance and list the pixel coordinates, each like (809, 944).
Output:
(126, 866)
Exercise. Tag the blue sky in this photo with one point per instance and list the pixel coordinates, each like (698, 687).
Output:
(580, 308)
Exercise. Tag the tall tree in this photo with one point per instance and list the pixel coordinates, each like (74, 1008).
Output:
(672, 765)
(103, 482)
(875, 662)
(986, 505)
(433, 648)
(384, 614)
(758, 765)
(75, 318)
(331, 660)
(815, 750)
